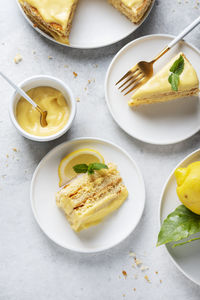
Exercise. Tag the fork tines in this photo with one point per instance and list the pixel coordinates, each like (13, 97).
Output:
(134, 78)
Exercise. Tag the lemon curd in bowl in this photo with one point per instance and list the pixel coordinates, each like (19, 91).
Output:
(49, 99)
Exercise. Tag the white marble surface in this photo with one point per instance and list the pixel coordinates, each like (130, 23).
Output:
(31, 267)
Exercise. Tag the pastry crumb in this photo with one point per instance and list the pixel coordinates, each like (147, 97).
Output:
(156, 272)
(124, 273)
(147, 278)
(14, 149)
(17, 58)
(7, 155)
(75, 74)
(134, 289)
(78, 99)
(138, 262)
(50, 57)
(160, 280)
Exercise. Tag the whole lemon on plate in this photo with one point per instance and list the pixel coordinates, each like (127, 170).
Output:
(188, 186)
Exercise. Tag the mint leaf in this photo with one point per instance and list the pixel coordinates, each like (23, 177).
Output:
(178, 66)
(180, 224)
(81, 168)
(174, 78)
(176, 69)
(97, 166)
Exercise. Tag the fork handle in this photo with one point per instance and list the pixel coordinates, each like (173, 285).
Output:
(184, 32)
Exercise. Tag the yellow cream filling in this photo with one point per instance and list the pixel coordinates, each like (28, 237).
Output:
(132, 3)
(53, 11)
(48, 99)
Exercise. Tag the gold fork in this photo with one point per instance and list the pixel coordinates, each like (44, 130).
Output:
(143, 71)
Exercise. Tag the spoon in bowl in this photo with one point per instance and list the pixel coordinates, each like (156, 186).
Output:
(43, 113)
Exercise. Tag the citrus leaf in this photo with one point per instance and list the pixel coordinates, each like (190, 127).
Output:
(180, 224)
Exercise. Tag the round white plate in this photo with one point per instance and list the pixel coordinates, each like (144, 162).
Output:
(115, 228)
(96, 24)
(186, 257)
(161, 123)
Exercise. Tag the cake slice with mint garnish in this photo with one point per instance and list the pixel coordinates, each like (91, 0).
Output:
(177, 79)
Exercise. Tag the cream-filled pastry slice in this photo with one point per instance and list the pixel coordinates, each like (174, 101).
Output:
(89, 198)
(158, 88)
(134, 10)
(52, 16)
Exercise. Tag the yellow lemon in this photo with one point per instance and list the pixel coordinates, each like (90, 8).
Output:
(81, 156)
(188, 186)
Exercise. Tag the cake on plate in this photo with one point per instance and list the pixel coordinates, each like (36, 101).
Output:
(159, 89)
(55, 16)
(89, 198)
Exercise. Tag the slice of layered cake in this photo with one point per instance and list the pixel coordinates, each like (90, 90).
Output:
(132, 9)
(167, 85)
(88, 198)
(52, 16)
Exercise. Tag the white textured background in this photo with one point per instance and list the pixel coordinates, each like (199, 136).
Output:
(31, 267)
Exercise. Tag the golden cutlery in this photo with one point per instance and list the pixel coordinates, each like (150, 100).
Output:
(143, 71)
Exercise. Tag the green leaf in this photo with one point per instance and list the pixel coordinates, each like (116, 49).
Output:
(180, 224)
(98, 166)
(81, 168)
(186, 242)
(178, 66)
(176, 69)
(174, 82)
(170, 78)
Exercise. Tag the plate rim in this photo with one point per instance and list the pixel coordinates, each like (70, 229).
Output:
(120, 52)
(160, 208)
(86, 47)
(87, 250)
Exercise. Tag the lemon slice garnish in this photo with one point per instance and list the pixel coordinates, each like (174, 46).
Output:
(81, 156)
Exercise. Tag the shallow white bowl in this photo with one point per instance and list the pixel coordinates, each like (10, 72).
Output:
(43, 80)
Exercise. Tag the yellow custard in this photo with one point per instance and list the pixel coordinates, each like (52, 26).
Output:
(48, 99)
(132, 3)
(53, 11)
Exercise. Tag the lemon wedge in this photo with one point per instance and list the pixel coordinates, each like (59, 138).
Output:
(81, 156)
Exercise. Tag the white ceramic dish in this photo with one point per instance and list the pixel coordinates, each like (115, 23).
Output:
(89, 31)
(161, 123)
(115, 228)
(43, 80)
(186, 257)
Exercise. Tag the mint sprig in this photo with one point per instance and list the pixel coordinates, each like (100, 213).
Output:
(176, 70)
(84, 168)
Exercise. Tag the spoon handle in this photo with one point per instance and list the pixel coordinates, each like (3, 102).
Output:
(185, 32)
(19, 90)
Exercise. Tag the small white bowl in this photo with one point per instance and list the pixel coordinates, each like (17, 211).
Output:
(43, 80)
